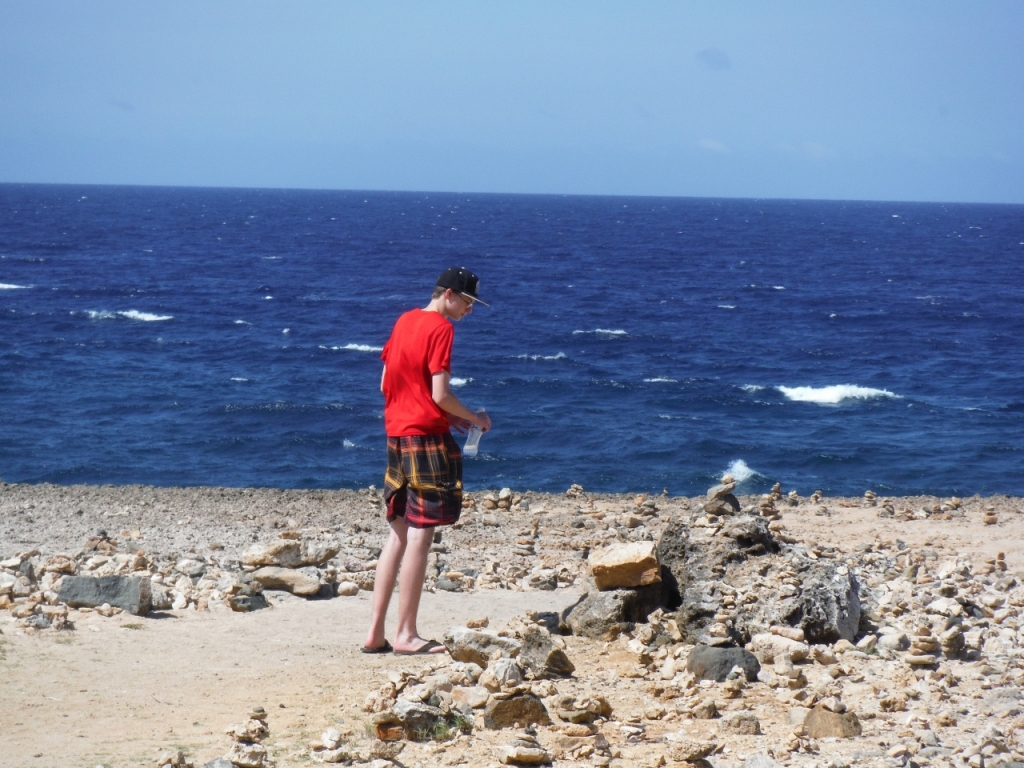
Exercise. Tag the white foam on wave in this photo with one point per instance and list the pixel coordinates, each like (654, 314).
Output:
(559, 356)
(131, 314)
(727, 306)
(660, 381)
(740, 471)
(833, 395)
(751, 388)
(348, 444)
(603, 332)
(146, 317)
(360, 348)
(242, 322)
(455, 381)
(11, 287)
(238, 378)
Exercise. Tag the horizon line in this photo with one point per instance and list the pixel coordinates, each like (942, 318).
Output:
(506, 194)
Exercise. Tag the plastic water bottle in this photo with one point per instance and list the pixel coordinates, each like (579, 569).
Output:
(472, 446)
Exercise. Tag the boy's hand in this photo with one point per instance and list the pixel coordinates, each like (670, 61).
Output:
(459, 424)
(483, 421)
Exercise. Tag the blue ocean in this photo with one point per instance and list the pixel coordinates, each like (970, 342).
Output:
(176, 336)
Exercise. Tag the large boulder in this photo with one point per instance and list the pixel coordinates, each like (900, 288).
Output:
(704, 566)
(607, 614)
(827, 607)
(129, 593)
(625, 565)
(290, 553)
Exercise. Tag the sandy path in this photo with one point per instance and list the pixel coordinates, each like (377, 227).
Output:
(115, 694)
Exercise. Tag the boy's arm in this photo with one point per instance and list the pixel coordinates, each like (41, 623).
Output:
(447, 401)
(382, 373)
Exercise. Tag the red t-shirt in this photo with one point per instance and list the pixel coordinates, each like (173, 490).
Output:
(420, 346)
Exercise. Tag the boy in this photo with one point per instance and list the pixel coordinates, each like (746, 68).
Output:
(423, 483)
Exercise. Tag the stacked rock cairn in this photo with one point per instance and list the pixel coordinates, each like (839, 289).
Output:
(248, 751)
(767, 505)
(524, 749)
(525, 543)
(720, 499)
(924, 647)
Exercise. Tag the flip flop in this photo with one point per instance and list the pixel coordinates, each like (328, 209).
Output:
(424, 650)
(386, 648)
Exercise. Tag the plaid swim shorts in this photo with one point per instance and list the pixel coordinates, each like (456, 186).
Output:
(423, 483)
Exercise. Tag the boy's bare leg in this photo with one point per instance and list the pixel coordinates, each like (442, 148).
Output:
(410, 588)
(384, 581)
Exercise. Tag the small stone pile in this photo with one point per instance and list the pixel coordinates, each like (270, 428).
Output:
(952, 641)
(525, 545)
(575, 492)
(247, 750)
(990, 517)
(505, 499)
(869, 498)
(924, 647)
(646, 506)
(720, 500)
(524, 749)
(767, 507)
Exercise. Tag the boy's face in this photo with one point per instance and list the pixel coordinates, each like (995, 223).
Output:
(458, 306)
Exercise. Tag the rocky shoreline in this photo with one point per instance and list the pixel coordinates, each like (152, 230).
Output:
(775, 629)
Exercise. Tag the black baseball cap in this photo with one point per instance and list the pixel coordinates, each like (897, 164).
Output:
(462, 281)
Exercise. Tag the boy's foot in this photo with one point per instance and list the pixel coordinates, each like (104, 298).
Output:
(386, 648)
(428, 648)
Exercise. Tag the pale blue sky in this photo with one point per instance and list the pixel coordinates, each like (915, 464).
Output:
(855, 100)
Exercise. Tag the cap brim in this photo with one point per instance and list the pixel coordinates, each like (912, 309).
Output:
(474, 299)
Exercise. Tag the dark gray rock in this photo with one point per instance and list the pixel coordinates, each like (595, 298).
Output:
(603, 615)
(243, 603)
(723, 505)
(129, 593)
(447, 585)
(707, 663)
(702, 568)
(542, 656)
(516, 711)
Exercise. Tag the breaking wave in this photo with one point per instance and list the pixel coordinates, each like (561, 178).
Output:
(131, 314)
(834, 394)
(602, 332)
